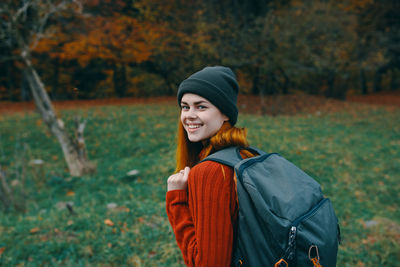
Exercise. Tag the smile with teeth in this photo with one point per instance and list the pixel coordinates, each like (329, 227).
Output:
(193, 126)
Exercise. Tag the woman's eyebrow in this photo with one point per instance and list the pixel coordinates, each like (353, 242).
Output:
(195, 103)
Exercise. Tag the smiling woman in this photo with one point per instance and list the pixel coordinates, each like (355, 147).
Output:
(201, 198)
(200, 118)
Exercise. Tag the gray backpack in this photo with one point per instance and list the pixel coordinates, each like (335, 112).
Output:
(284, 219)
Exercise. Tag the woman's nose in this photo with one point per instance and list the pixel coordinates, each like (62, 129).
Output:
(191, 113)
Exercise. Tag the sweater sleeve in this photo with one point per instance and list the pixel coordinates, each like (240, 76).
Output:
(204, 219)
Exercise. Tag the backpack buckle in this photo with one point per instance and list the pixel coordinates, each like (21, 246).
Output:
(310, 250)
(315, 257)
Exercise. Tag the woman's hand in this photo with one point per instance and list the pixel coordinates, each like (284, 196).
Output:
(178, 181)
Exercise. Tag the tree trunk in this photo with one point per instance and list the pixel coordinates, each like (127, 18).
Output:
(363, 82)
(54, 87)
(378, 81)
(285, 84)
(119, 78)
(10, 69)
(74, 149)
(378, 78)
(25, 96)
(394, 80)
(255, 90)
(332, 91)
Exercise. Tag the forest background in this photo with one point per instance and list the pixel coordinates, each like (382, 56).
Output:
(104, 49)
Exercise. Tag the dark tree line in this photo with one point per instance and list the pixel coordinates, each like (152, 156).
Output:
(145, 48)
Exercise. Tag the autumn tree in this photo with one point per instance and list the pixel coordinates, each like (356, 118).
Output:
(183, 43)
(109, 35)
(24, 23)
(239, 35)
(378, 34)
(318, 47)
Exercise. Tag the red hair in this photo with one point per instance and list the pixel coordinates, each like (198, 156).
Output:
(189, 153)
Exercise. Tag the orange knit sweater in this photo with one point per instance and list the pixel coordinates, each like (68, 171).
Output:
(204, 217)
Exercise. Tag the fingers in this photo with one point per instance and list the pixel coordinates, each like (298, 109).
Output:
(186, 173)
(178, 181)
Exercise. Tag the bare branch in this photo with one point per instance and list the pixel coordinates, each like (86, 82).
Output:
(21, 11)
(49, 11)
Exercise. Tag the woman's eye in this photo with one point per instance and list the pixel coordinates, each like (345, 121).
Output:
(185, 107)
(201, 107)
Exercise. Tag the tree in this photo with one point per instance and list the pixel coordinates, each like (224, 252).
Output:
(240, 36)
(109, 38)
(24, 24)
(313, 46)
(379, 37)
(119, 40)
(182, 45)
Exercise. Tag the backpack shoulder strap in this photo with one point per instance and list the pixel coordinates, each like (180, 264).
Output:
(228, 156)
(231, 156)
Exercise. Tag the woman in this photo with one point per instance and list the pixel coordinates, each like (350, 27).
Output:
(201, 199)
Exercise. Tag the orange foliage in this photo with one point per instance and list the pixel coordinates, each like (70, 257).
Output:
(51, 45)
(117, 38)
(120, 38)
(354, 5)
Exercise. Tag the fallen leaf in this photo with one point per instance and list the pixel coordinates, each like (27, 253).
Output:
(152, 254)
(108, 222)
(70, 193)
(2, 250)
(34, 230)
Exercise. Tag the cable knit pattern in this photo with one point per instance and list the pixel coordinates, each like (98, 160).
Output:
(204, 217)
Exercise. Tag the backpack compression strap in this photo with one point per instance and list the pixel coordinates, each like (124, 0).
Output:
(231, 156)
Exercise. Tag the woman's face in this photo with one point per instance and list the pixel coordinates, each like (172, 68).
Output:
(200, 118)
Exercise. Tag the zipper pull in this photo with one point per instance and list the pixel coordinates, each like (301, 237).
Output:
(292, 242)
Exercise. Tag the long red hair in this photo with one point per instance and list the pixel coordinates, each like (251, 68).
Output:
(189, 153)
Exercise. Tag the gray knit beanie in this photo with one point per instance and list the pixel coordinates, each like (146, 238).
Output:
(218, 85)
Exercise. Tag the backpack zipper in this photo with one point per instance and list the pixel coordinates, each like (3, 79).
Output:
(291, 249)
(309, 213)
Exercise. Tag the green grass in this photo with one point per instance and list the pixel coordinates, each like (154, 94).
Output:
(354, 155)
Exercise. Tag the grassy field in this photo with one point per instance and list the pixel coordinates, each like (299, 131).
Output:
(120, 220)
